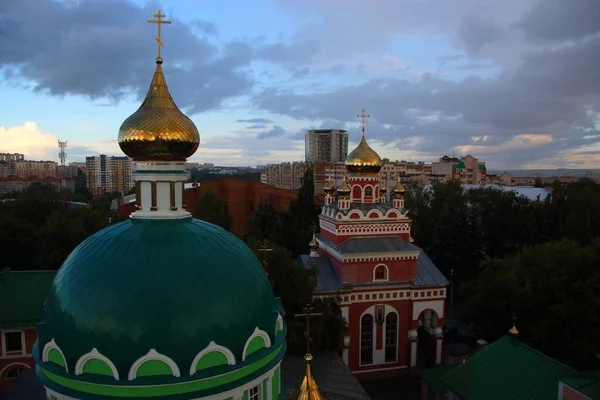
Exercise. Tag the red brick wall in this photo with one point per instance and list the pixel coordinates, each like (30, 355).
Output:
(399, 270)
(570, 394)
(7, 362)
(241, 196)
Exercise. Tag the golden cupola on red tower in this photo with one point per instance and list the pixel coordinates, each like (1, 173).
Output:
(390, 292)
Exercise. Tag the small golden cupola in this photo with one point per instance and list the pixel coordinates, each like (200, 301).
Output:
(329, 187)
(398, 191)
(314, 245)
(308, 389)
(514, 331)
(158, 130)
(344, 189)
(363, 159)
(382, 185)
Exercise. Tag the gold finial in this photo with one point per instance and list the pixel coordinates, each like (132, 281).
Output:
(514, 331)
(314, 245)
(308, 389)
(158, 21)
(363, 115)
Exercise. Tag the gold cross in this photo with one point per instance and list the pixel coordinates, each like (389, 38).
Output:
(264, 247)
(363, 115)
(307, 313)
(158, 21)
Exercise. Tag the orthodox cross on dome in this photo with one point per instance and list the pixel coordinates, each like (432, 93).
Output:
(363, 116)
(307, 314)
(264, 248)
(158, 21)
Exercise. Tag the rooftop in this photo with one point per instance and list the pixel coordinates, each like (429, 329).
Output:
(22, 295)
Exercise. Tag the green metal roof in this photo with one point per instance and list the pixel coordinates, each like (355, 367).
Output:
(432, 377)
(169, 285)
(22, 295)
(506, 369)
(587, 383)
(460, 165)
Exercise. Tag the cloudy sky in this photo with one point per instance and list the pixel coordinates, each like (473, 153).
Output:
(515, 83)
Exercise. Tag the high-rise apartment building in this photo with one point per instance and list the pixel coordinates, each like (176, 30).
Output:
(326, 145)
(105, 174)
(35, 169)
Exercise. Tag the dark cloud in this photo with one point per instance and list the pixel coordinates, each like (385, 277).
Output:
(103, 49)
(255, 121)
(561, 19)
(274, 132)
(256, 126)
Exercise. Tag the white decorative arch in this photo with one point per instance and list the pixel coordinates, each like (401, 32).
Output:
(437, 306)
(212, 346)
(387, 273)
(279, 322)
(257, 333)
(95, 355)
(153, 355)
(52, 345)
(379, 355)
(15, 364)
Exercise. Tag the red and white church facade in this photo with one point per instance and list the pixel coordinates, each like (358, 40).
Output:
(392, 295)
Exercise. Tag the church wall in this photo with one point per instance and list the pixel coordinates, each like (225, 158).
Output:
(355, 313)
(360, 272)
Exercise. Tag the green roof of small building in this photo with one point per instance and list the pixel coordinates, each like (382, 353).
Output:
(432, 376)
(460, 165)
(505, 369)
(587, 383)
(171, 286)
(22, 295)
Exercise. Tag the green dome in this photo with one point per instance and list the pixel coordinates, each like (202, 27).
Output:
(172, 286)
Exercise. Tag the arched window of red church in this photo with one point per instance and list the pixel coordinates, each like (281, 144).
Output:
(366, 339)
(391, 337)
(381, 273)
(368, 191)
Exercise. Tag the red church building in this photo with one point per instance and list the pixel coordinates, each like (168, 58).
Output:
(392, 295)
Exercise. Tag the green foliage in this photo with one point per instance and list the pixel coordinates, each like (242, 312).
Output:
(265, 220)
(553, 289)
(212, 209)
(39, 230)
(538, 182)
(295, 227)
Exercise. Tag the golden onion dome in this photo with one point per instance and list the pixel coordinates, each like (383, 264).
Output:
(363, 159)
(329, 187)
(344, 189)
(382, 185)
(314, 245)
(398, 190)
(308, 389)
(158, 130)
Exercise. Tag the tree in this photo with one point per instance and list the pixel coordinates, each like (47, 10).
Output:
(538, 182)
(212, 209)
(264, 220)
(295, 228)
(551, 287)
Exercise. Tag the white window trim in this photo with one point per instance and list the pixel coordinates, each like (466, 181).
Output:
(95, 355)
(259, 394)
(212, 347)
(20, 364)
(280, 322)
(387, 273)
(23, 343)
(153, 355)
(373, 330)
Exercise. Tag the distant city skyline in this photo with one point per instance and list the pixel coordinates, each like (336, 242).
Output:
(513, 83)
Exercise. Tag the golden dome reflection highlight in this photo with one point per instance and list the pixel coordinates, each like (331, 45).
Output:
(363, 159)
